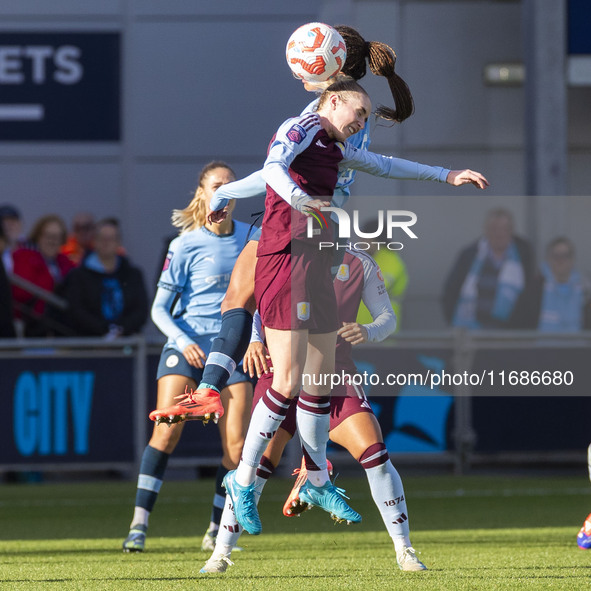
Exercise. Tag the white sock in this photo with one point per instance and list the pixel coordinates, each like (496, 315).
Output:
(140, 516)
(230, 531)
(313, 420)
(387, 492)
(265, 420)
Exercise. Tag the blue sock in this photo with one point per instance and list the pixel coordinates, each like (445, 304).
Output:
(150, 478)
(227, 349)
(219, 498)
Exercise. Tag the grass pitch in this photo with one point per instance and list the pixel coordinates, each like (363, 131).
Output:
(472, 532)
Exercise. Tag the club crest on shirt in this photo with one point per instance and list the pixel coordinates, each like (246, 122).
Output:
(343, 272)
(167, 260)
(303, 310)
(296, 133)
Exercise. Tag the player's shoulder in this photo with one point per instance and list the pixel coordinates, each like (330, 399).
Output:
(311, 107)
(296, 129)
(189, 242)
(176, 243)
(361, 257)
(370, 268)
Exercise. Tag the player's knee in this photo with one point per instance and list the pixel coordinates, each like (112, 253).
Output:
(375, 455)
(165, 438)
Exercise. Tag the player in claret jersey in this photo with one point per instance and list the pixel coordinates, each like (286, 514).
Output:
(352, 422)
(303, 163)
(239, 304)
(293, 284)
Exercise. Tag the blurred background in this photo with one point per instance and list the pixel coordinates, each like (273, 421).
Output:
(113, 107)
(154, 90)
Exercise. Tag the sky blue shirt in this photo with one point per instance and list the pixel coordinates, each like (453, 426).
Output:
(197, 271)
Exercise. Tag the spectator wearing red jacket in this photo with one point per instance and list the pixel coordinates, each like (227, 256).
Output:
(41, 263)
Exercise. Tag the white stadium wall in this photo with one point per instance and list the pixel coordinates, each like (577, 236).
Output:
(203, 80)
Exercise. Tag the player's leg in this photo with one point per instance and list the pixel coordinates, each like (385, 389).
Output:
(154, 461)
(238, 306)
(313, 411)
(288, 351)
(230, 530)
(584, 535)
(227, 349)
(359, 432)
(237, 400)
(313, 420)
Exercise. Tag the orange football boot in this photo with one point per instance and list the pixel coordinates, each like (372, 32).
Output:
(293, 507)
(193, 405)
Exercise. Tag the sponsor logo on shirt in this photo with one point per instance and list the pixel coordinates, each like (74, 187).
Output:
(303, 309)
(296, 134)
(320, 144)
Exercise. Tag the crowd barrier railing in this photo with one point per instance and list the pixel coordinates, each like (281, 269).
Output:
(456, 398)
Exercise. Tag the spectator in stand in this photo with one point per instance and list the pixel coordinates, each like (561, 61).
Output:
(558, 299)
(41, 263)
(106, 294)
(392, 268)
(485, 285)
(81, 241)
(6, 325)
(12, 229)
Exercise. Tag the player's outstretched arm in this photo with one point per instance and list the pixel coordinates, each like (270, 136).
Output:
(464, 177)
(398, 168)
(251, 186)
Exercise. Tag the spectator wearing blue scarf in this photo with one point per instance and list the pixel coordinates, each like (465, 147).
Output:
(106, 294)
(487, 282)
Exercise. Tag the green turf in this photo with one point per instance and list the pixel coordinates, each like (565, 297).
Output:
(473, 533)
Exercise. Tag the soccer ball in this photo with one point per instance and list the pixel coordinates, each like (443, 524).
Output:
(315, 52)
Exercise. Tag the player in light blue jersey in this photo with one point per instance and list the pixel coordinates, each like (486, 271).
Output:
(187, 309)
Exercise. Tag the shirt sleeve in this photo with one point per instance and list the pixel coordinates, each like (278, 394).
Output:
(256, 335)
(251, 186)
(390, 167)
(162, 318)
(171, 283)
(375, 297)
(292, 138)
(311, 107)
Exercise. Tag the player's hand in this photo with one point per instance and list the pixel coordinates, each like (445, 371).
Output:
(216, 217)
(353, 333)
(314, 204)
(464, 177)
(194, 355)
(255, 360)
